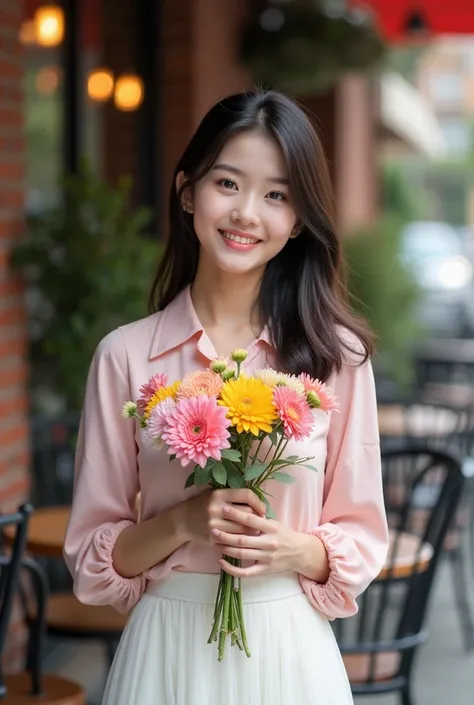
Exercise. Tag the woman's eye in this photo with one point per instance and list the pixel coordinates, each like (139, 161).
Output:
(227, 183)
(277, 196)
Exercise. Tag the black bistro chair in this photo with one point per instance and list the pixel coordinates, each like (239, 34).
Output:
(447, 428)
(53, 445)
(380, 643)
(10, 568)
(31, 686)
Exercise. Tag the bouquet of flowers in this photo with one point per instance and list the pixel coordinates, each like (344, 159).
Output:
(233, 427)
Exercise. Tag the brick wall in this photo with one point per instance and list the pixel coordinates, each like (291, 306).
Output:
(13, 369)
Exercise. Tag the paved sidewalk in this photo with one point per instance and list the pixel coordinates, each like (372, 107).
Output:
(444, 672)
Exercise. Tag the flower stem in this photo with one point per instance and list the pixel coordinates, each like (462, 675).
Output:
(240, 612)
(224, 630)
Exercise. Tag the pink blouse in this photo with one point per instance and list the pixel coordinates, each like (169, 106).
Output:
(342, 502)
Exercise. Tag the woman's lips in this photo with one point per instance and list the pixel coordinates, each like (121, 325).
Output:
(239, 241)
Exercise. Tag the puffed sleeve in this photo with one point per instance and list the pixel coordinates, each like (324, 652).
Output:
(105, 483)
(353, 525)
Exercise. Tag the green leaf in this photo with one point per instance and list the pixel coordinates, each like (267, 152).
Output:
(270, 513)
(190, 480)
(273, 436)
(172, 457)
(254, 471)
(219, 474)
(232, 454)
(310, 467)
(283, 477)
(201, 475)
(292, 458)
(234, 478)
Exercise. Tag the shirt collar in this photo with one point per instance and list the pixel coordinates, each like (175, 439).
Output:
(179, 322)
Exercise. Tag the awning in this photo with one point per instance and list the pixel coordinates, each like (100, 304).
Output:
(440, 16)
(407, 117)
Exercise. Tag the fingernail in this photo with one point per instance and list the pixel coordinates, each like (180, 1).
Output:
(226, 510)
(215, 532)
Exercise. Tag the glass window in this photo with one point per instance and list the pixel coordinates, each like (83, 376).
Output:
(446, 88)
(457, 134)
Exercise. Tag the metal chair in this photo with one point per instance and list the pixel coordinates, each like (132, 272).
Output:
(448, 428)
(23, 689)
(32, 685)
(380, 643)
(53, 443)
(10, 566)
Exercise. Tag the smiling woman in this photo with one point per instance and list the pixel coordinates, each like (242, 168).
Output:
(253, 263)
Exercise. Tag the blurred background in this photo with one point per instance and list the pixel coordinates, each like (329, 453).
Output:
(97, 101)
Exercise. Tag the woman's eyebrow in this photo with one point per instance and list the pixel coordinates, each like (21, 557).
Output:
(238, 172)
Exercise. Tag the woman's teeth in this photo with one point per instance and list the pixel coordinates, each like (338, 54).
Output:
(237, 238)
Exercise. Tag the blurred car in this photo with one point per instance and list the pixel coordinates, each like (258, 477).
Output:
(437, 257)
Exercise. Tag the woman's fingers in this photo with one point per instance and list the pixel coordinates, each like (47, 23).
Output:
(252, 521)
(245, 554)
(242, 496)
(262, 542)
(231, 527)
(239, 572)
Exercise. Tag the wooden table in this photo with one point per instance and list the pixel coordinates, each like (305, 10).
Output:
(46, 531)
(404, 563)
(416, 421)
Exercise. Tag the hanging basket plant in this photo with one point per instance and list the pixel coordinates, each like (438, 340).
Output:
(297, 46)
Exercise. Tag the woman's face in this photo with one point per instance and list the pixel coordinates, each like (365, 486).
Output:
(243, 214)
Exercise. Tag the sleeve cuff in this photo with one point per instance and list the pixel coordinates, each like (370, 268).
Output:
(99, 583)
(332, 598)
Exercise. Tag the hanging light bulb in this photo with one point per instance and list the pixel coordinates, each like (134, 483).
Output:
(129, 92)
(100, 84)
(49, 25)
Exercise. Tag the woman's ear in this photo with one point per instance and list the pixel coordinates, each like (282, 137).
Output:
(186, 196)
(296, 230)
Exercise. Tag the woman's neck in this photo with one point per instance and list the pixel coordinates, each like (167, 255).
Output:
(226, 302)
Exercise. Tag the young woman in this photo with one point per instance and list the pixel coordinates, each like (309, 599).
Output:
(252, 262)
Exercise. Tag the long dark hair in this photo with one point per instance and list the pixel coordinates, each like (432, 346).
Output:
(302, 297)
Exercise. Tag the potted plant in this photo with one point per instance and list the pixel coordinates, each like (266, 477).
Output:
(304, 48)
(88, 268)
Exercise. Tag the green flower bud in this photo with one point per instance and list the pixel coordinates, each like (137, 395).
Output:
(239, 355)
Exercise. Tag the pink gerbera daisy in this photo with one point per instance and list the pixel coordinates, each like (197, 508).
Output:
(294, 412)
(201, 382)
(158, 420)
(197, 430)
(327, 399)
(148, 389)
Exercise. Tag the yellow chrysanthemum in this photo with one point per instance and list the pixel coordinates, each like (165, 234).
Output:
(160, 395)
(250, 404)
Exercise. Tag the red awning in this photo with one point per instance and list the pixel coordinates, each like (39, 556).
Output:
(440, 16)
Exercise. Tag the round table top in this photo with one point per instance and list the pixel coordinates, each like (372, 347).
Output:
(416, 421)
(46, 531)
(408, 558)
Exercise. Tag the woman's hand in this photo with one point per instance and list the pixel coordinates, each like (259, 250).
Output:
(273, 547)
(204, 514)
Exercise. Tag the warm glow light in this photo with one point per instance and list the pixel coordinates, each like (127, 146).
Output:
(27, 34)
(100, 84)
(47, 80)
(129, 92)
(49, 25)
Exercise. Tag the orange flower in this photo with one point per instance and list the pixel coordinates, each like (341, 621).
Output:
(195, 384)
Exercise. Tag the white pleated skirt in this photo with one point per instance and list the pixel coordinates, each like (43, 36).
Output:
(164, 659)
